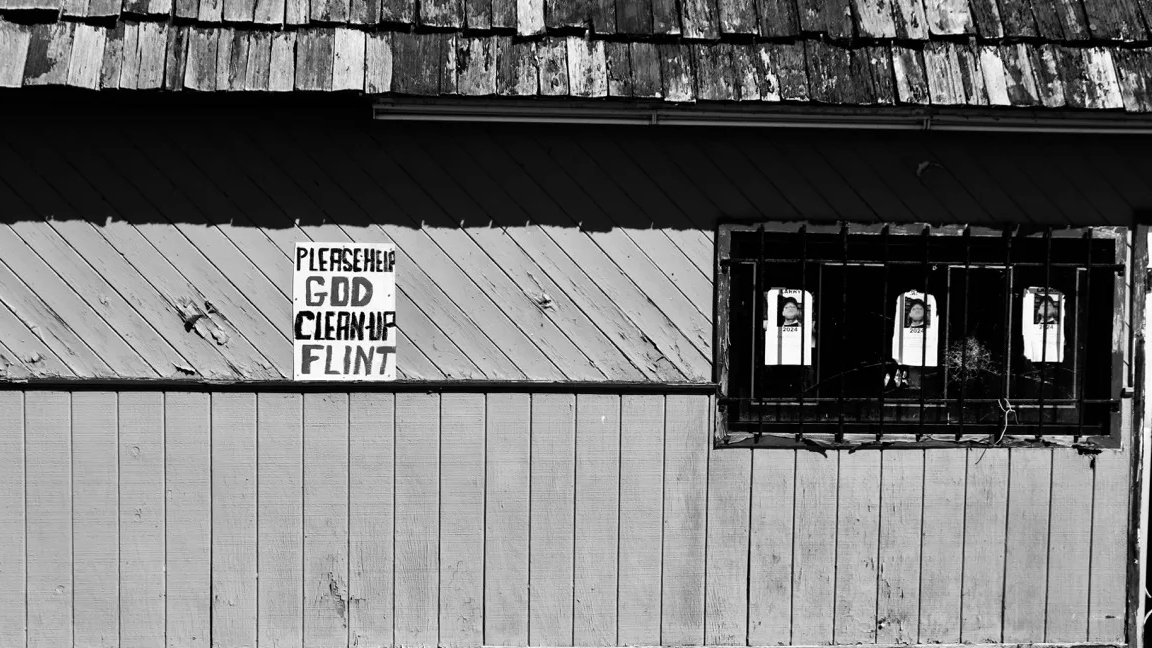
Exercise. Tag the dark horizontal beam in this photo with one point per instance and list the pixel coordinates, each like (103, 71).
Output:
(649, 113)
(397, 386)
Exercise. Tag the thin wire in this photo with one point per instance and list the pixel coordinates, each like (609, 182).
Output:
(1007, 410)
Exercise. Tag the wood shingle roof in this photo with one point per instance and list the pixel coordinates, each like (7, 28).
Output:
(1078, 54)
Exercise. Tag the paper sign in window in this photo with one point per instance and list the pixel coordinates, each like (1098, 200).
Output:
(1043, 325)
(916, 332)
(788, 336)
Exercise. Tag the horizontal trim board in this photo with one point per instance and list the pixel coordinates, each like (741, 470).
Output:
(398, 386)
(825, 443)
(645, 113)
(935, 645)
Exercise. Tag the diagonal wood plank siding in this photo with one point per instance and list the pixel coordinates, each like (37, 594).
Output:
(527, 519)
(527, 253)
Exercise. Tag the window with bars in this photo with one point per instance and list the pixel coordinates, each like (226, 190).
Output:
(919, 335)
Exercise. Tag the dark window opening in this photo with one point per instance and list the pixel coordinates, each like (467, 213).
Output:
(915, 333)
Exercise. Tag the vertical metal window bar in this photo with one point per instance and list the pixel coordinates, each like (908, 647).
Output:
(883, 333)
(1006, 365)
(1043, 332)
(964, 372)
(759, 339)
(843, 326)
(1083, 341)
(1129, 255)
(803, 318)
(924, 334)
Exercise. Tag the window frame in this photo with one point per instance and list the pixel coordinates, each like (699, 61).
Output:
(1131, 252)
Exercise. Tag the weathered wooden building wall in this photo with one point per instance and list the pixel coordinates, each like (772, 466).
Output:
(146, 519)
(166, 516)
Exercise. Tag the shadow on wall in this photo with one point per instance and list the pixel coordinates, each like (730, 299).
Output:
(280, 161)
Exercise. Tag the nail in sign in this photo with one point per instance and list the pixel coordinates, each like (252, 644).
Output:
(344, 312)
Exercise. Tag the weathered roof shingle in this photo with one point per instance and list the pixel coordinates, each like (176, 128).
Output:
(1071, 54)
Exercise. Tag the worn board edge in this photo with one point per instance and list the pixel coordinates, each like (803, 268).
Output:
(1141, 457)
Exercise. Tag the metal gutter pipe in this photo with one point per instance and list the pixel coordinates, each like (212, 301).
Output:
(818, 117)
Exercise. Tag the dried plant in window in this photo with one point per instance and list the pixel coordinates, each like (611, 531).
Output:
(968, 361)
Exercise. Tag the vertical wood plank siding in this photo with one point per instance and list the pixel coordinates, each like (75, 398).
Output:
(280, 519)
(48, 537)
(526, 519)
(13, 529)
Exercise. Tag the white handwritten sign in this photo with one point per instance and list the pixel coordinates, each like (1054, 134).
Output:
(344, 312)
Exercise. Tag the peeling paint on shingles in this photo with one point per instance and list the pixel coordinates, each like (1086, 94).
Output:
(1047, 71)
(995, 81)
(14, 40)
(48, 54)
(949, 17)
(676, 69)
(910, 19)
(552, 62)
(1103, 86)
